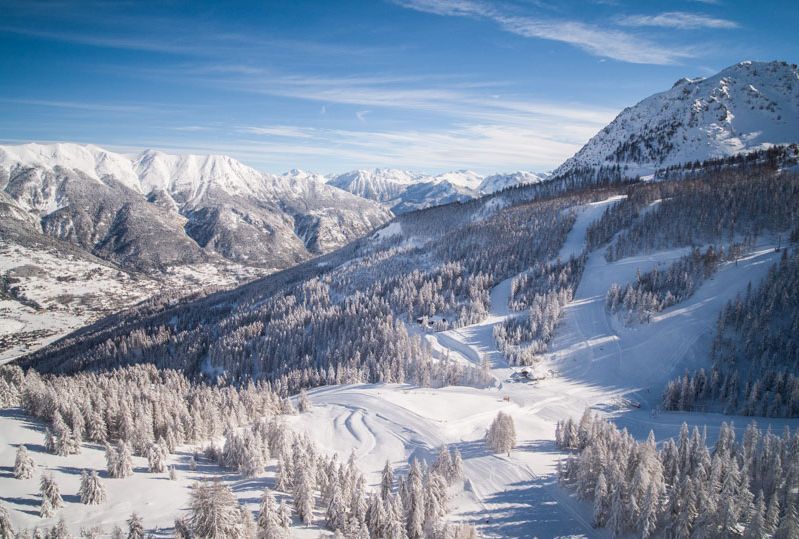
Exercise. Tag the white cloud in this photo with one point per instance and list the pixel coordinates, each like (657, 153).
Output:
(277, 131)
(595, 40)
(678, 19)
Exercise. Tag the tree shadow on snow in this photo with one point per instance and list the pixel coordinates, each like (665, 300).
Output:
(18, 415)
(538, 446)
(21, 503)
(535, 508)
(71, 470)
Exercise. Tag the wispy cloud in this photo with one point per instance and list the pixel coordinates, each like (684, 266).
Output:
(595, 40)
(488, 147)
(678, 19)
(283, 131)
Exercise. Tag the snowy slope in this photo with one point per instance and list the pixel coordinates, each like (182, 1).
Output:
(747, 106)
(460, 178)
(380, 184)
(498, 182)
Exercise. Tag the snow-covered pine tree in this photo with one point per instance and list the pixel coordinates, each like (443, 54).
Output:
(24, 467)
(336, 514)
(181, 529)
(303, 403)
(214, 511)
(92, 491)
(789, 523)
(303, 495)
(415, 502)
(6, 528)
(756, 527)
(122, 460)
(284, 515)
(386, 481)
(268, 520)
(600, 501)
(443, 463)
(501, 436)
(51, 497)
(156, 457)
(135, 527)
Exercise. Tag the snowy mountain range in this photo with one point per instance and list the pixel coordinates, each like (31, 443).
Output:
(747, 106)
(405, 191)
(156, 209)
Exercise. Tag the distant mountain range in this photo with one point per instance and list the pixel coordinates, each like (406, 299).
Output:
(405, 191)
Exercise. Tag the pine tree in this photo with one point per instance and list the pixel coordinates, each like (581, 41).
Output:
(756, 528)
(416, 502)
(122, 461)
(616, 513)
(51, 497)
(772, 520)
(789, 524)
(182, 530)
(24, 467)
(303, 403)
(135, 527)
(269, 526)
(284, 515)
(501, 436)
(600, 501)
(214, 511)
(457, 466)
(303, 496)
(6, 528)
(443, 463)
(247, 526)
(91, 490)
(156, 457)
(386, 481)
(336, 515)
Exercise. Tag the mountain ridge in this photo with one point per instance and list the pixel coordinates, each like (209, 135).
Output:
(745, 107)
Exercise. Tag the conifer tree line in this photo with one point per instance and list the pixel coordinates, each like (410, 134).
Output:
(745, 488)
(755, 353)
(659, 289)
(723, 206)
(139, 410)
(542, 292)
(773, 158)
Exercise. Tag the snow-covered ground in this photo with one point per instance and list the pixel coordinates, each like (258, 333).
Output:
(595, 362)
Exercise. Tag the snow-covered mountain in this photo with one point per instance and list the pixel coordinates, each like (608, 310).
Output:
(747, 106)
(155, 209)
(405, 191)
(380, 184)
(498, 182)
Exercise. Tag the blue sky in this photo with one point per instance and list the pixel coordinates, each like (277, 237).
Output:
(428, 85)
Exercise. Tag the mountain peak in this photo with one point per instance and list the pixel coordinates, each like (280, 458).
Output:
(744, 107)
